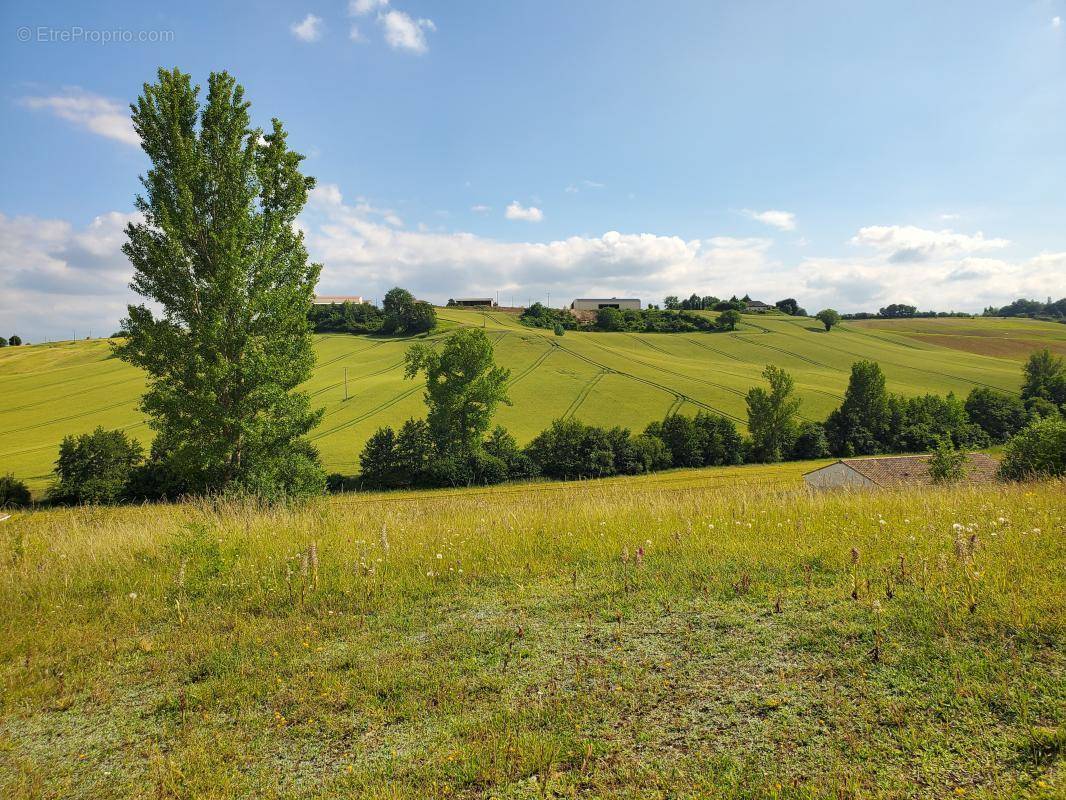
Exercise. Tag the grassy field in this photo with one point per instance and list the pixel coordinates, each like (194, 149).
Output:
(50, 391)
(713, 633)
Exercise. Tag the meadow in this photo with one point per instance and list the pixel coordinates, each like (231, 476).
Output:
(51, 390)
(707, 633)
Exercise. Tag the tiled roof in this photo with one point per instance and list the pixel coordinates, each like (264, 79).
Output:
(898, 470)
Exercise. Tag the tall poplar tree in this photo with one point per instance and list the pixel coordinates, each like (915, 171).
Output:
(226, 339)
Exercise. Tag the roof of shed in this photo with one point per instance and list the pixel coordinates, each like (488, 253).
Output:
(899, 470)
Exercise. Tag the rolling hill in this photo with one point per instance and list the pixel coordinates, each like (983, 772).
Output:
(51, 390)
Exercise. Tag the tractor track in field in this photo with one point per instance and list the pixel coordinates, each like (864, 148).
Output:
(386, 404)
(62, 382)
(742, 338)
(536, 363)
(716, 350)
(55, 445)
(582, 395)
(68, 418)
(72, 394)
(649, 382)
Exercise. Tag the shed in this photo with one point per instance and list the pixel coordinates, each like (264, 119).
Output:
(475, 302)
(890, 471)
(759, 305)
(596, 303)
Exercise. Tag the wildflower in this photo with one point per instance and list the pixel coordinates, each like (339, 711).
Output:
(133, 595)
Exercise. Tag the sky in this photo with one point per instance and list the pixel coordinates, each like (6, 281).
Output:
(846, 154)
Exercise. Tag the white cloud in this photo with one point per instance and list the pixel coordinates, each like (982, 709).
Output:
(571, 189)
(910, 243)
(517, 211)
(950, 217)
(307, 30)
(1056, 22)
(355, 35)
(97, 114)
(359, 8)
(782, 220)
(480, 208)
(404, 33)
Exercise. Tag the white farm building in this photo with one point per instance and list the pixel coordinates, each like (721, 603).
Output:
(330, 299)
(595, 304)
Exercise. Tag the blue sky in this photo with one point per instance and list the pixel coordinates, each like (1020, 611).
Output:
(848, 154)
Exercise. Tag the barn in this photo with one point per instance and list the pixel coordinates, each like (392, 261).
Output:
(890, 471)
(595, 304)
(473, 302)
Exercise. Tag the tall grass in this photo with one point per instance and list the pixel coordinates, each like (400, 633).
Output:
(627, 639)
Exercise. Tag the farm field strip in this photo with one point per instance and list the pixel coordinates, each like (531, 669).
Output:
(630, 379)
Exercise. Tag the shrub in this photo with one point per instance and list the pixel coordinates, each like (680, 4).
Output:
(728, 319)
(811, 442)
(13, 492)
(998, 414)
(1038, 451)
(559, 329)
(3, 342)
(918, 424)
(487, 469)
(947, 463)
(377, 461)
(14, 340)
(503, 446)
(95, 467)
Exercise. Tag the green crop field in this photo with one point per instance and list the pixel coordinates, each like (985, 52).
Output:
(706, 633)
(51, 390)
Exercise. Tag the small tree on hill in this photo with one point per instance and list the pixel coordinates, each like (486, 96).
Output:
(947, 464)
(771, 415)
(1044, 379)
(728, 319)
(3, 342)
(860, 425)
(998, 414)
(828, 317)
(463, 388)
(559, 329)
(14, 340)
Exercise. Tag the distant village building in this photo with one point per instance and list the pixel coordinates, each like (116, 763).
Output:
(595, 304)
(888, 471)
(330, 299)
(759, 305)
(473, 302)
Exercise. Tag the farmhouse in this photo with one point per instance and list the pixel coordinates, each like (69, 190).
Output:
(473, 302)
(889, 471)
(595, 304)
(759, 305)
(330, 299)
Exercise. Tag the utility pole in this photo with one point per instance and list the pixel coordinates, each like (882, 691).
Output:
(549, 299)
(345, 384)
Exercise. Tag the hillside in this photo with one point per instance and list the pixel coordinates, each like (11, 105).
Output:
(666, 635)
(629, 379)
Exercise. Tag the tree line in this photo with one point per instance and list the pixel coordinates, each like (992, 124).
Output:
(400, 313)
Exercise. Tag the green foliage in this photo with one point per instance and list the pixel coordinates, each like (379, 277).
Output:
(569, 449)
(95, 467)
(14, 340)
(811, 441)
(918, 424)
(13, 492)
(539, 315)
(1045, 379)
(463, 388)
(998, 414)
(347, 318)
(1038, 451)
(377, 461)
(772, 416)
(791, 307)
(897, 311)
(860, 425)
(502, 445)
(3, 342)
(828, 317)
(609, 319)
(705, 440)
(405, 315)
(728, 319)
(219, 253)
(559, 329)
(947, 464)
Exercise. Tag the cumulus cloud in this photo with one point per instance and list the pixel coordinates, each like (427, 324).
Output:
(1056, 22)
(100, 115)
(516, 210)
(53, 273)
(480, 208)
(309, 29)
(909, 243)
(782, 220)
(402, 32)
(359, 8)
